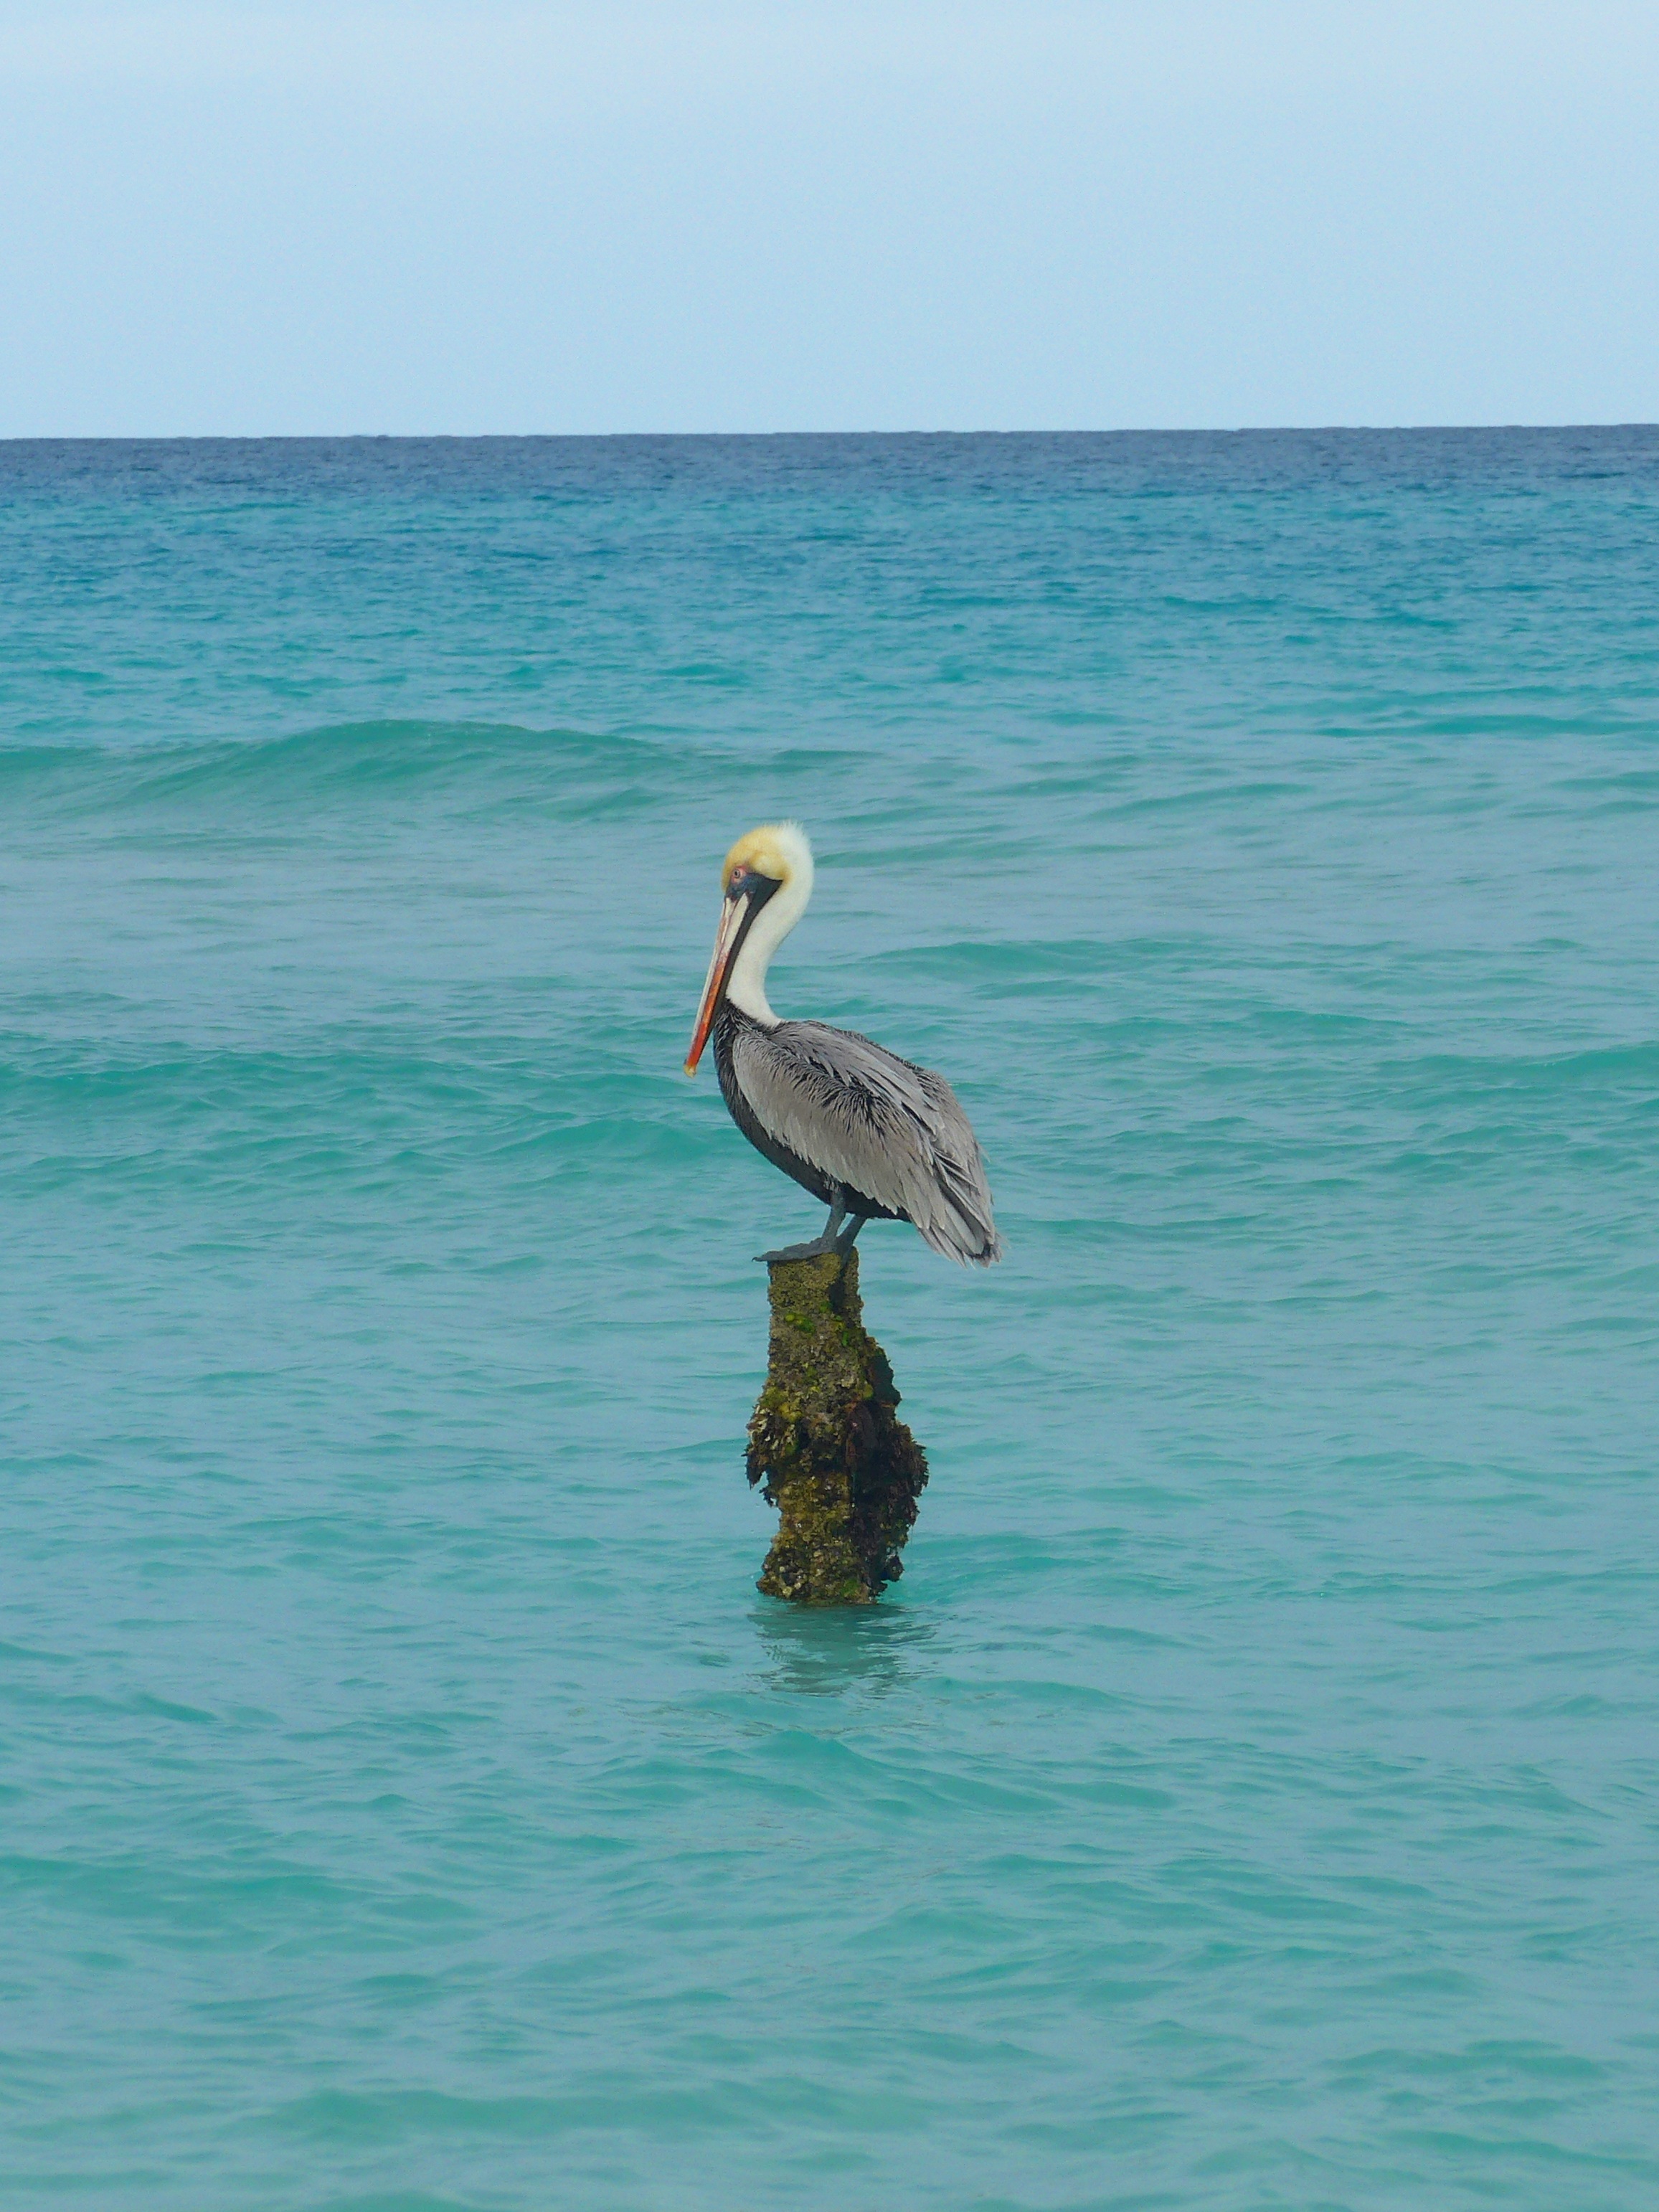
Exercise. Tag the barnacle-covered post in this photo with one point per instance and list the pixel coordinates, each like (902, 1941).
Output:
(825, 1444)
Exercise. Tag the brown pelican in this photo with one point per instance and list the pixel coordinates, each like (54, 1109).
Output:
(869, 1135)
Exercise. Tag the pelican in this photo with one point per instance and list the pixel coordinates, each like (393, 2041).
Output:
(871, 1136)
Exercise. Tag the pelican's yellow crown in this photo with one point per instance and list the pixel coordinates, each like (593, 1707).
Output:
(777, 849)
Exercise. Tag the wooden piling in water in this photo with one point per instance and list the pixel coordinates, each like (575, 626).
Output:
(825, 1444)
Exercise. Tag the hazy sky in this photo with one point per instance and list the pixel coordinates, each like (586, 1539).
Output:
(684, 215)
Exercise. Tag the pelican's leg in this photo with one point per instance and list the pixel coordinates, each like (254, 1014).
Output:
(849, 1236)
(827, 1242)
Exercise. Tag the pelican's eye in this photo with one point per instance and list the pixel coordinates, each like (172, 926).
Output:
(748, 883)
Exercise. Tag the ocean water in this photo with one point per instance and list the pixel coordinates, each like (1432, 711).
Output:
(1247, 1801)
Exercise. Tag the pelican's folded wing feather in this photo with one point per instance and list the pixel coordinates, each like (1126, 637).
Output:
(886, 1129)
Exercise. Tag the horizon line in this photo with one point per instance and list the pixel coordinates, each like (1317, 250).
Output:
(596, 437)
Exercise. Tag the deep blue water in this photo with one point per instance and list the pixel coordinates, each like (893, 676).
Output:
(1247, 1801)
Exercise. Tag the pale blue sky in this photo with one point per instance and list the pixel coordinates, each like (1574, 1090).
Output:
(761, 215)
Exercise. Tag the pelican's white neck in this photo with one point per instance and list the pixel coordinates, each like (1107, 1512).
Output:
(746, 988)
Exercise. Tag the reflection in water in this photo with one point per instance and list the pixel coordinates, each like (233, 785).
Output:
(823, 1651)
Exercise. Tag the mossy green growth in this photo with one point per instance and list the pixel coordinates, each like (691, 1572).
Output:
(826, 1445)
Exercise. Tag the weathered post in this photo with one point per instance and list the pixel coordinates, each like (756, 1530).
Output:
(825, 1444)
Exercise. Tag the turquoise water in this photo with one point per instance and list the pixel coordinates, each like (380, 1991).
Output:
(1247, 1800)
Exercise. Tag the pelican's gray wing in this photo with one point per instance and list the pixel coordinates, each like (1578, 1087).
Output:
(886, 1129)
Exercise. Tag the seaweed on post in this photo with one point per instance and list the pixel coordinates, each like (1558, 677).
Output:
(825, 1444)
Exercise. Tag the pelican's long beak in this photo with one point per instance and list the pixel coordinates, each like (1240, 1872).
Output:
(734, 913)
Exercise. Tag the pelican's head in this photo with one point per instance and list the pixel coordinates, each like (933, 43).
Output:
(768, 872)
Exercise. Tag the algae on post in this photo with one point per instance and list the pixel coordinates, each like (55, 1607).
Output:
(825, 1444)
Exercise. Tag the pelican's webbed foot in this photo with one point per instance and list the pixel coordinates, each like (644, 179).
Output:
(834, 1239)
(815, 1250)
